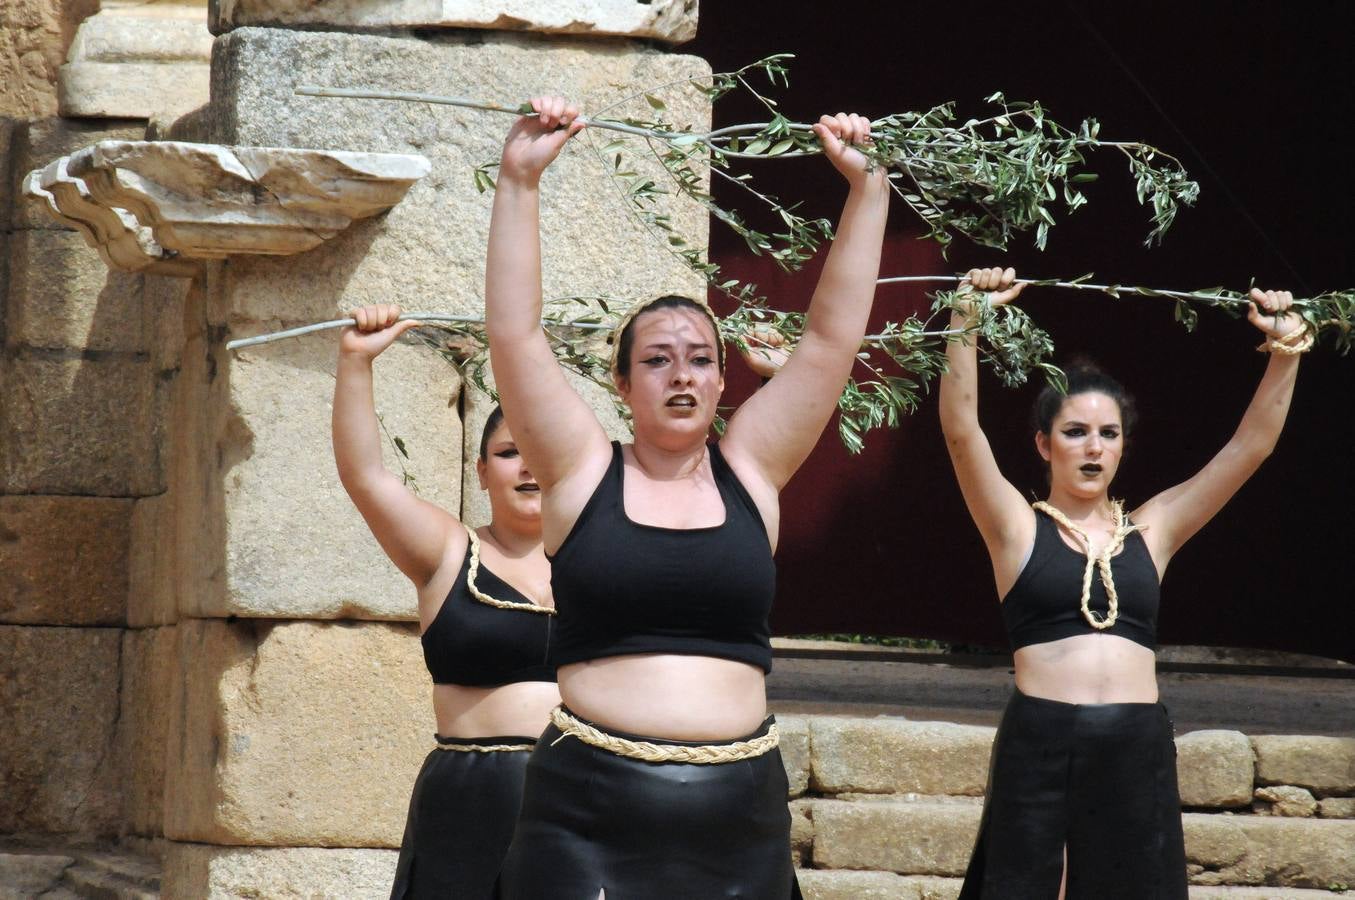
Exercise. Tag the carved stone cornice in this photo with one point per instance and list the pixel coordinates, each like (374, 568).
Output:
(154, 205)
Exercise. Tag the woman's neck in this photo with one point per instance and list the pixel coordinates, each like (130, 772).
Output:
(1081, 509)
(513, 540)
(667, 464)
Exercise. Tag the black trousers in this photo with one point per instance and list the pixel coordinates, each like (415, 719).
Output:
(461, 818)
(1099, 779)
(593, 821)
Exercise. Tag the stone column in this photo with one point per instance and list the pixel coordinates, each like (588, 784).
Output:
(302, 708)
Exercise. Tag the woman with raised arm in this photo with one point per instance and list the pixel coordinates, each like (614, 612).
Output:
(659, 777)
(1082, 792)
(485, 611)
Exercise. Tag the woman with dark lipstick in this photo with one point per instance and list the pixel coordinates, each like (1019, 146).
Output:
(1082, 799)
(661, 777)
(485, 610)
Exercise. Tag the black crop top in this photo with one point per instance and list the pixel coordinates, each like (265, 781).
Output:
(476, 644)
(1045, 603)
(622, 587)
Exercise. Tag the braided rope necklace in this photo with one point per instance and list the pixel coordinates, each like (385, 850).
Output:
(480, 595)
(1100, 561)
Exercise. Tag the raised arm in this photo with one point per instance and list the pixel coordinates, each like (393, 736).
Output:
(554, 428)
(414, 533)
(773, 432)
(1174, 515)
(1003, 517)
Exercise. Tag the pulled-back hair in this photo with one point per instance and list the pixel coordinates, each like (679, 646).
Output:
(491, 425)
(625, 340)
(1084, 377)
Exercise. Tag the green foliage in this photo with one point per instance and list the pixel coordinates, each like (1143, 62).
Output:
(987, 179)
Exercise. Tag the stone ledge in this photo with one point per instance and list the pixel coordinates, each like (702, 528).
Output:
(148, 204)
(670, 21)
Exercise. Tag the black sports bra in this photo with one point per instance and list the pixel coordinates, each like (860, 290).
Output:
(1045, 603)
(623, 587)
(498, 638)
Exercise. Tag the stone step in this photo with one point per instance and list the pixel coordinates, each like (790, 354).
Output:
(931, 836)
(1217, 769)
(819, 884)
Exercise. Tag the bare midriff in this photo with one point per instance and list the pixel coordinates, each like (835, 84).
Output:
(665, 695)
(1088, 668)
(521, 709)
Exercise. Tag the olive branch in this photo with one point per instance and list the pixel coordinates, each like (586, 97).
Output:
(987, 180)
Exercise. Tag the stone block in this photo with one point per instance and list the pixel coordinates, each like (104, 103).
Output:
(27, 875)
(888, 755)
(428, 252)
(1267, 850)
(63, 296)
(8, 127)
(40, 142)
(1228, 892)
(1284, 800)
(1325, 765)
(802, 831)
(34, 35)
(1337, 808)
(165, 309)
(132, 90)
(178, 36)
(150, 676)
(64, 560)
(59, 703)
(80, 422)
(671, 21)
(823, 884)
(910, 838)
(292, 873)
(795, 751)
(295, 546)
(826, 884)
(282, 726)
(152, 563)
(1214, 768)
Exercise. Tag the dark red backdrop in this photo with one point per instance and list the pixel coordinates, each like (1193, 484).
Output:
(1256, 100)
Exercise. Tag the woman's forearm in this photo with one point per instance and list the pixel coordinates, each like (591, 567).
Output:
(356, 432)
(513, 262)
(842, 300)
(959, 390)
(1264, 419)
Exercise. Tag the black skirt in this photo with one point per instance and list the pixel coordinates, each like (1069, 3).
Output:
(1099, 779)
(595, 821)
(461, 817)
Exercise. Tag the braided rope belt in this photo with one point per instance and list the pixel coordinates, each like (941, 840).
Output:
(706, 754)
(484, 748)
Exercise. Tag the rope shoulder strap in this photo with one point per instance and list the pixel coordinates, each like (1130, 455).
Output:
(480, 595)
(1100, 562)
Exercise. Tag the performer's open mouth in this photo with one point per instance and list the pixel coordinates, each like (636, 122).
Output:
(1091, 469)
(682, 401)
(529, 487)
